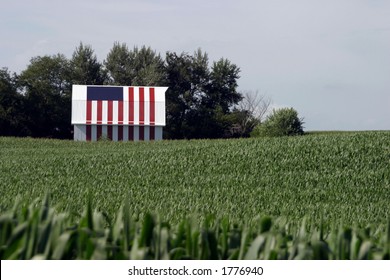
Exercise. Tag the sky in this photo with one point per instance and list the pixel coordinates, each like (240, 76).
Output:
(328, 59)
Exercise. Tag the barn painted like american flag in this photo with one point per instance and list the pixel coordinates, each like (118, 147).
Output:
(119, 113)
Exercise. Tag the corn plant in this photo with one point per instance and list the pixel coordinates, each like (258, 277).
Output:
(38, 232)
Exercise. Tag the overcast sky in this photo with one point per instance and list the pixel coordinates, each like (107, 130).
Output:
(329, 59)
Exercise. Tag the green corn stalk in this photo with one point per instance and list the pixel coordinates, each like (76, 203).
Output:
(255, 248)
(38, 232)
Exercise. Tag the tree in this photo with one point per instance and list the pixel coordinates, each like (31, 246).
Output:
(12, 118)
(85, 69)
(138, 67)
(147, 67)
(223, 85)
(119, 65)
(282, 122)
(200, 120)
(179, 96)
(250, 112)
(46, 86)
(200, 100)
(221, 96)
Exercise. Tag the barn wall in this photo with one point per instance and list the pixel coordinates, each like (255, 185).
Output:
(117, 132)
(118, 113)
(127, 111)
(79, 133)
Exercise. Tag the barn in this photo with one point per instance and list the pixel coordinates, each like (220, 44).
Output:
(118, 113)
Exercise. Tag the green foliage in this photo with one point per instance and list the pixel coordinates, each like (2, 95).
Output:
(46, 86)
(118, 65)
(12, 106)
(180, 93)
(137, 67)
(282, 122)
(243, 122)
(223, 85)
(38, 232)
(147, 66)
(200, 99)
(85, 68)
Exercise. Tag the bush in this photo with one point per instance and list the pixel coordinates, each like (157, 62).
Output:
(282, 122)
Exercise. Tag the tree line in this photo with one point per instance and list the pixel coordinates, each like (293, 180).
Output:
(202, 100)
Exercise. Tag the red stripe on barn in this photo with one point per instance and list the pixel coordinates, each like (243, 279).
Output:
(88, 132)
(109, 112)
(131, 133)
(131, 105)
(152, 133)
(141, 105)
(98, 132)
(141, 133)
(120, 112)
(99, 111)
(89, 112)
(109, 132)
(120, 133)
(151, 106)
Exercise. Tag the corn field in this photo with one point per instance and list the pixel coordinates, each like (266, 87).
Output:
(31, 232)
(321, 196)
